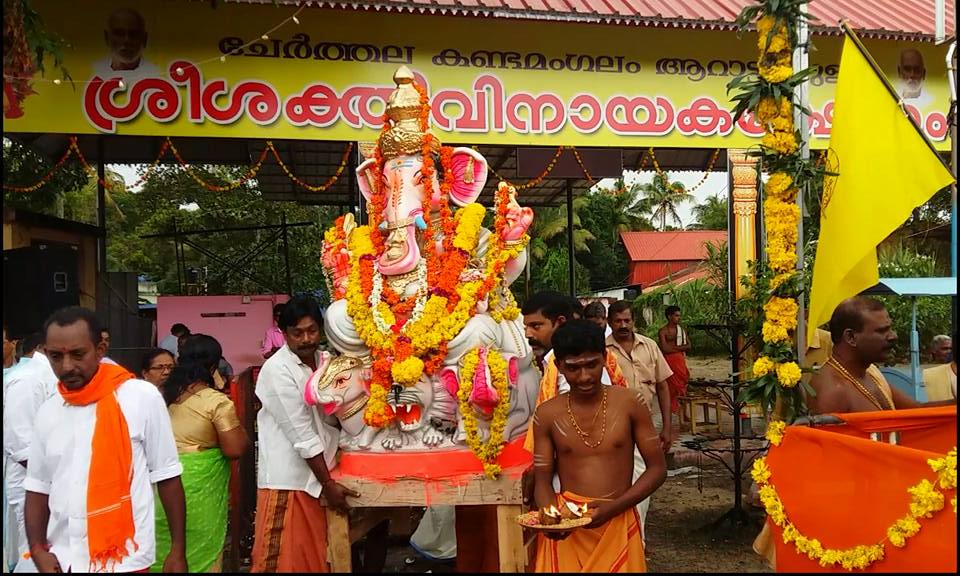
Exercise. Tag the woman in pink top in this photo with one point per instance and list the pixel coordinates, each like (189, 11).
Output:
(273, 340)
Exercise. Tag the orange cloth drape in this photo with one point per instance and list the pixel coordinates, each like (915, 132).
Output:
(291, 533)
(109, 510)
(846, 490)
(615, 547)
(677, 383)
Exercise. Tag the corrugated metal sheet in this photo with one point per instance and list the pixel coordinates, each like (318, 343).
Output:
(685, 245)
(894, 19)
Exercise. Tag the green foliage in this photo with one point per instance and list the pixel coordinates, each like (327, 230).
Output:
(22, 166)
(700, 302)
(711, 215)
(663, 197)
(933, 313)
(156, 209)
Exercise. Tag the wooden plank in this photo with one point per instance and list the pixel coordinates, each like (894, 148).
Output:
(338, 542)
(415, 492)
(513, 554)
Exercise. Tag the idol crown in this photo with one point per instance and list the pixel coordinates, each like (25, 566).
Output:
(404, 109)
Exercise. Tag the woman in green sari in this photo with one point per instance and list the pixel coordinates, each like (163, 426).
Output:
(208, 435)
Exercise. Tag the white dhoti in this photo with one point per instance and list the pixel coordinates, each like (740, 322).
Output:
(436, 536)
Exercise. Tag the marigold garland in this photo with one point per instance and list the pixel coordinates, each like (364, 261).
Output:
(487, 451)
(771, 97)
(926, 499)
(167, 146)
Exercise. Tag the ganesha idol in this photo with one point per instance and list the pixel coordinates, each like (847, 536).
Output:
(421, 295)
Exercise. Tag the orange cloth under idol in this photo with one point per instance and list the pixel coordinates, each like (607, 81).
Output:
(109, 510)
(677, 383)
(615, 547)
(291, 533)
(549, 386)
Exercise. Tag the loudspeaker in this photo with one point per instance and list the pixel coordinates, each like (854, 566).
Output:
(37, 281)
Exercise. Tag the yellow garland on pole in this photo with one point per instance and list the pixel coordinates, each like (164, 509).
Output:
(926, 499)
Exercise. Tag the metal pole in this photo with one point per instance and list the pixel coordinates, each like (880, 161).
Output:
(571, 263)
(952, 82)
(800, 62)
(940, 19)
(286, 253)
(914, 347)
(101, 210)
(355, 188)
(176, 249)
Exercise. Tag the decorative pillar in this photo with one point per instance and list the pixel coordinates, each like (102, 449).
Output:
(743, 243)
(743, 229)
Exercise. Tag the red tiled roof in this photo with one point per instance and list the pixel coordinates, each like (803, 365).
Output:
(894, 19)
(679, 278)
(670, 246)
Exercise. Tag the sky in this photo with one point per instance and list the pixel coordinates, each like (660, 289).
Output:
(716, 183)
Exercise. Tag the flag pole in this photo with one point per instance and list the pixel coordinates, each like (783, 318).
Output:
(893, 91)
(801, 59)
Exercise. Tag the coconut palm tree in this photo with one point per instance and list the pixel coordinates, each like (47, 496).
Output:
(712, 214)
(629, 208)
(664, 197)
(550, 228)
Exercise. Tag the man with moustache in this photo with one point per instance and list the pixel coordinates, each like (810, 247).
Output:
(126, 37)
(850, 381)
(296, 451)
(99, 448)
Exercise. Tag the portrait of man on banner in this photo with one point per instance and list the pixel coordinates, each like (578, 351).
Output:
(125, 35)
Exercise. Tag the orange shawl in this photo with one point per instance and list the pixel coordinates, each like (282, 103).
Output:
(109, 510)
(549, 387)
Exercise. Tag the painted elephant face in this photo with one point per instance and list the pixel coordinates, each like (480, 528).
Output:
(404, 185)
(337, 383)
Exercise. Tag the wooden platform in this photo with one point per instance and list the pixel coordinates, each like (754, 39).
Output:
(504, 493)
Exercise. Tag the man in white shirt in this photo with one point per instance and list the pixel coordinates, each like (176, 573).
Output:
(29, 387)
(14, 537)
(296, 450)
(171, 342)
(98, 448)
(126, 37)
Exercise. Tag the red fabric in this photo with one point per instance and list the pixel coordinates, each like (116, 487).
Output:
(432, 465)
(678, 382)
(846, 490)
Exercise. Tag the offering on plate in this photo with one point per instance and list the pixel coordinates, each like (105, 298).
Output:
(571, 511)
(549, 516)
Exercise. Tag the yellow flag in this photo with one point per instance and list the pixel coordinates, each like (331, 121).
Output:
(886, 170)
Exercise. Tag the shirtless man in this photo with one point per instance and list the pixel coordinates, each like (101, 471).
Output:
(675, 344)
(862, 335)
(579, 433)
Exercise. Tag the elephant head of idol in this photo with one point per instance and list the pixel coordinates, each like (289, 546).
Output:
(400, 186)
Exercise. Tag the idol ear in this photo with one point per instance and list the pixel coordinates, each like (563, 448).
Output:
(448, 377)
(367, 178)
(469, 175)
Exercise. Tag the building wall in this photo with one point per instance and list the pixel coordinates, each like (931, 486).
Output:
(239, 326)
(649, 272)
(20, 235)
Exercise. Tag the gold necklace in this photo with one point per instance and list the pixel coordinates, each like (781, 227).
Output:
(861, 388)
(355, 407)
(580, 432)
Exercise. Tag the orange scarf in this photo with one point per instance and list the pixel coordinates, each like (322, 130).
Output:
(109, 509)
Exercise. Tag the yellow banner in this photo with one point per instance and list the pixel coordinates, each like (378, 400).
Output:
(186, 69)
